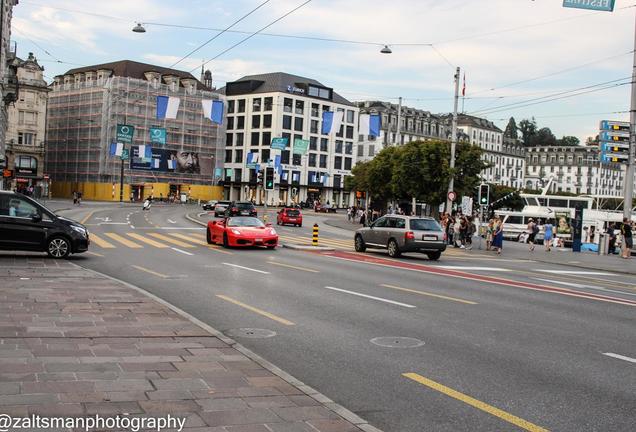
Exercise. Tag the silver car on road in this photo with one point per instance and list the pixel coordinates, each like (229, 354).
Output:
(400, 234)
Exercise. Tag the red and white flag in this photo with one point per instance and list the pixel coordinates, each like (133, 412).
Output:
(464, 86)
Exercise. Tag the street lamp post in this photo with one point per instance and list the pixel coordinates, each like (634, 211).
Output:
(451, 182)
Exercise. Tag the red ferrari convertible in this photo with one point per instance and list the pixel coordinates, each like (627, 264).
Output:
(241, 231)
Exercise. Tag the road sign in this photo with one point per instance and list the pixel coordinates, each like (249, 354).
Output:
(125, 154)
(608, 125)
(597, 5)
(615, 157)
(613, 137)
(608, 147)
(452, 195)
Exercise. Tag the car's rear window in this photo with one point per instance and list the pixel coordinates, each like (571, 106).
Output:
(224, 203)
(244, 206)
(425, 225)
(244, 222)
(293, 213)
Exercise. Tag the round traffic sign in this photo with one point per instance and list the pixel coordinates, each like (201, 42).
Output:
(452, 195)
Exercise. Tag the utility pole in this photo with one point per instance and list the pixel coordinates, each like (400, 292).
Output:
(451, 183)
(399, 121)
(629, 174)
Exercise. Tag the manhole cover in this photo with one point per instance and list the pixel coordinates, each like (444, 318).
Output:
(253, 333)
(397, 342)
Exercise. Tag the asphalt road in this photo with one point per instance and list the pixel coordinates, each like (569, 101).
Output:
(468, 343)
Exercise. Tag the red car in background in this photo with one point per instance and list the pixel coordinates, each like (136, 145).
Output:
(241, 231)
(290, 215)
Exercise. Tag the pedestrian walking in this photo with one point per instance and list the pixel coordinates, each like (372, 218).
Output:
(497, 235)
(457, 228)
(349, 214)
(74, 197)
(533, 229)
(489, 232)
(470, 231)
(79, 198)
(628, 242)
(611, 248)
(363, 218)
(547, 236)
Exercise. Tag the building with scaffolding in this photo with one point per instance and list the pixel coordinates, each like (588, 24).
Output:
(88, 109)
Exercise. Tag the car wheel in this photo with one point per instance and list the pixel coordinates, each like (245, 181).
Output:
(58, 248)
(434, 256)
(300, 225)
(208, 236)
(226, 243)
(359, 244)
(394, 250)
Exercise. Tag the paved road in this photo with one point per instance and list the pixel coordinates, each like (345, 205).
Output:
(468, 343)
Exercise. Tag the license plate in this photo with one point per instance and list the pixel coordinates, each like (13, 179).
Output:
(292, 219)
(429, 237)
(245, 213)
(259, 240)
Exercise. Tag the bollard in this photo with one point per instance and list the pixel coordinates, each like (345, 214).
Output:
(314, 240)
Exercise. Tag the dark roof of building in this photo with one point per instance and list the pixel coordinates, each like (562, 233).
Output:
(381, 106)
(277, 82)
(468, 120)
(133, 69)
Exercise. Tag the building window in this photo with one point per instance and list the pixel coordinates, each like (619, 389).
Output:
(240, 122)
(297, 159)
(372, 150)
(298, 124)
(287, 105)
(360, 150)
(239, 139)
(256, 121)
(228, 156)
(349, 132)
(27, 139)
(267, 121)
(315, 110)
(300, 107)
(347, 164)
(313, 128)
(256, 105)
(26, 162)
(228, 139)
(288, 136)
(312, 160)
(284, 157)
(338, 147)
(265, 155)
(324, 144)
(337, 162)
(350, 116)
(230, 106)
(323, 161)
(238, 157)
(313, 143)
(267, 138)
(287, 120)
(230, 123)
(241, 106)
(268, 104)
(348, 148)
(256, 139)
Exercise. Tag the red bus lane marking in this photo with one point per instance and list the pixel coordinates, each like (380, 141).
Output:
(464, 275)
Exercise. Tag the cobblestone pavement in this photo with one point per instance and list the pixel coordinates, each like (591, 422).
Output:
(75, 343)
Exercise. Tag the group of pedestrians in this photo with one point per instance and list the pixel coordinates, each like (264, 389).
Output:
(77, 198)
(459, 230)
(626, 236)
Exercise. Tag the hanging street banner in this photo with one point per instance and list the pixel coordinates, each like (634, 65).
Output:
(125, 133)
(279, 143)
(157, 135)
(597, 5)
(300, 146)
(125, 154)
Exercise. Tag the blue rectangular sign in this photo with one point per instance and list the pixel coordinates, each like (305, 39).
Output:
(597, 5)
(279, 143)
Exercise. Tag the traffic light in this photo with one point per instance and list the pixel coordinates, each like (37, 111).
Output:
(259, 178)
(484, 192)
(269, 178)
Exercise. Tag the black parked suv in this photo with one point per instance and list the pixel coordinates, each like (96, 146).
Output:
(27, 225)
(241, 208)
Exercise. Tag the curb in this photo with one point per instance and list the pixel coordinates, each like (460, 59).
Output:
(309, 391)
(195, 220)
(307, 248)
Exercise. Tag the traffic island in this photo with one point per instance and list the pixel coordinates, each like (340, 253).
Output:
(307, 247)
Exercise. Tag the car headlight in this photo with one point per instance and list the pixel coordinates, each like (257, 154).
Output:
(80, 230)
(237, 232)
(272, 231)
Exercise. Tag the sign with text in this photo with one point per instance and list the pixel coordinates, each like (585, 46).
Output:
(125, 133)
(279, 143)
(300, 146)
(157, 135)
(125, 154)
(597, 5)
(608, 125)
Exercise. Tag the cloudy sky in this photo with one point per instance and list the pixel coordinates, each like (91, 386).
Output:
(517, 55)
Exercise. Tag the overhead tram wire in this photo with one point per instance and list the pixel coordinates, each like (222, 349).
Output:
(255, 33)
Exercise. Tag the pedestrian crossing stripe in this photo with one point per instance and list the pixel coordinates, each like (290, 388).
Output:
(101, 242)
(146, 240)
(171, 240)
(123, 240)
(336, 243)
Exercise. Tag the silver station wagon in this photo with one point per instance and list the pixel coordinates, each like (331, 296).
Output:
(400, 234)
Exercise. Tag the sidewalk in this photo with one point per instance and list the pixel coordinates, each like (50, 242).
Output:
(75, 343)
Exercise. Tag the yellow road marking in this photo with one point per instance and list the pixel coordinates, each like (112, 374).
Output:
(123, 240)
(143, 269)
(100, 242)
(523, 424)
(171, 240)
(256, 310)
(146, 240)
(87, 217)
(215, 248)
(294, 267)
(95, 254)
(429, 294)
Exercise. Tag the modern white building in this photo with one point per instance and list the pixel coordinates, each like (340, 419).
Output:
(574, 169)
(280, 105)
(414, 125)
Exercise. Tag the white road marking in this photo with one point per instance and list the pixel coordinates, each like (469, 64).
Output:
(577, 272)
(132, 226)
(245, 268)
(575, 285)
(103, 219)
(113, 223)
(173, 228)
(171, 221)
(621, 357)
(181, 251)
(495, 269)
(370, 297)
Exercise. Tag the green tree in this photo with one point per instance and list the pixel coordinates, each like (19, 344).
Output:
(545, 137)
(512, 129)
(528, 130)
(568, 141)
(513, 202)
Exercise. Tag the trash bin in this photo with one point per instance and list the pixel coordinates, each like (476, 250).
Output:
(603, 244)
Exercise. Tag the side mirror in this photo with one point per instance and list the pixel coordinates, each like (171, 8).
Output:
(37, 217)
